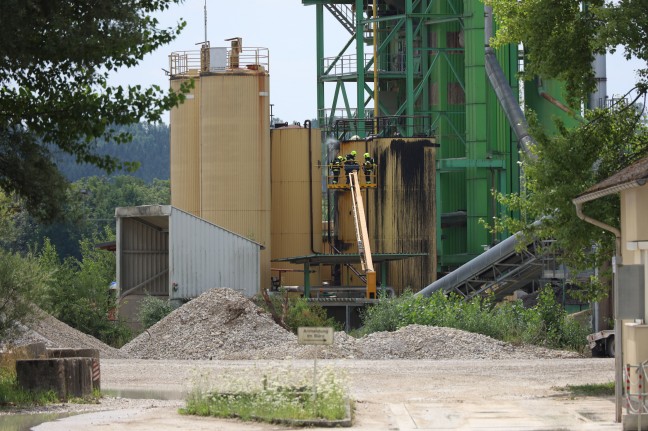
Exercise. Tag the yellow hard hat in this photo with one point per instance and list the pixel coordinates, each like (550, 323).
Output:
(353, 153)
(366, 155)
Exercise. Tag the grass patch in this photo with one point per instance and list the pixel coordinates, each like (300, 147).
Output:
(279, 397)
(590, 390)
(11, 395)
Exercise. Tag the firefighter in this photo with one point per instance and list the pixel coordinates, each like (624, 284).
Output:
(336, 166)
(368, 167)
(350, 164)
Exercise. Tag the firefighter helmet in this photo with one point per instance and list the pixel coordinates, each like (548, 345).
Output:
(354, 152)
(366, 155)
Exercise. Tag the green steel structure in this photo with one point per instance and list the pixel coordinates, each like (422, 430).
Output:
(425, 59)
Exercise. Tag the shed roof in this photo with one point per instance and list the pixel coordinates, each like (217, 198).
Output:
(157, 216)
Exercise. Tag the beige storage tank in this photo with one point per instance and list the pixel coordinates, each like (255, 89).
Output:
(296, 200)
(220, 143)
(401, 210)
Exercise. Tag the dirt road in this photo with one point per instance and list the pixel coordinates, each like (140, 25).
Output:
(389, 395)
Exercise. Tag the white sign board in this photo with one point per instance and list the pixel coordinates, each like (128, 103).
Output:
(320, 336)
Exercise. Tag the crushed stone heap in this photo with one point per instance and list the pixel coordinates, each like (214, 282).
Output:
(219, 324)
(433, 342)
(224, 324)
(44, 328)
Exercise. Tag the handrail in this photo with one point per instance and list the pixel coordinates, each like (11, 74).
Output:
(183, 63)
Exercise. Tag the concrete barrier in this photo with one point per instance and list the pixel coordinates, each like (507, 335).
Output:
(67, 377)
(81, 353)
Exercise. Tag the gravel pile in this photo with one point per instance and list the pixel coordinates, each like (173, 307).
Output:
(44, 328)
(223, 324)
(219, 324)
(432, 342)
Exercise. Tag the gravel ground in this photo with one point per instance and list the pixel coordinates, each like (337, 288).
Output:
(391, 394)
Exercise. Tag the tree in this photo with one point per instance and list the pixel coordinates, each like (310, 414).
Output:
(566, 165)
(90, 208)
(20, 279)
(77, 292)
(560, 37)
(55, 60)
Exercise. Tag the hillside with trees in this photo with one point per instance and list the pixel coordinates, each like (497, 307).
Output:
(148, 152)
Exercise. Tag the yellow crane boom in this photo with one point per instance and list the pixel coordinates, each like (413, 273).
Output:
(362, 235)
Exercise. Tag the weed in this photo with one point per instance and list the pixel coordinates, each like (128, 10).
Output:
(281, 395)
(590, 390)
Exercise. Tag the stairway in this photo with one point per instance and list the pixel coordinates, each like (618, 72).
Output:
(344, 14)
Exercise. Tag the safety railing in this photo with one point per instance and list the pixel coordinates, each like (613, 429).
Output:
(183, 63)
(384, 127)
(348, 64)
(341, 181)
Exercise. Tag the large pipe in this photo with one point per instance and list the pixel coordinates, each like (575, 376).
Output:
(474, 266)
(307, 124)
(503, 90)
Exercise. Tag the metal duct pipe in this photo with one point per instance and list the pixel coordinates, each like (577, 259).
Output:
(476, 265)
(509, 103)
(503, 90)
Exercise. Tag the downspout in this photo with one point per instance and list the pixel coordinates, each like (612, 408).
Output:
(307, 124)
(503, 90)
(618, 356)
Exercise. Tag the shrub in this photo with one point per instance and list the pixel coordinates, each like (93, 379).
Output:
(546, 324)
(292, 313)
(11, 393)
(152, 310)
(78, 291)
(282, 394)
(20, 280)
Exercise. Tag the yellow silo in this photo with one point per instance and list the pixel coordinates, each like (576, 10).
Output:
(296, 200)
(220, 142)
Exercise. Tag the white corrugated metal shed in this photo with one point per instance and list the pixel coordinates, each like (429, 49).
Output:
(164, 251)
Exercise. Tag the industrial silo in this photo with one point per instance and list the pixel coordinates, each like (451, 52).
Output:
(220, 141)
(400, 210)
(296, 200)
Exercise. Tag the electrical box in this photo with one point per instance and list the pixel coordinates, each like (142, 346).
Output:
(217, 59)
(630, 303)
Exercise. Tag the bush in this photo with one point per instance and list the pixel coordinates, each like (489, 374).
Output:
(546, 324)
(292, 313)
(20, 279)
(78, 291)
(152, 310)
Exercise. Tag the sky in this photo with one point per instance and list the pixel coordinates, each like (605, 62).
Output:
(287, 29)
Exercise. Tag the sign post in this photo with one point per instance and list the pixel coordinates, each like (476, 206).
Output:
(318, 337)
